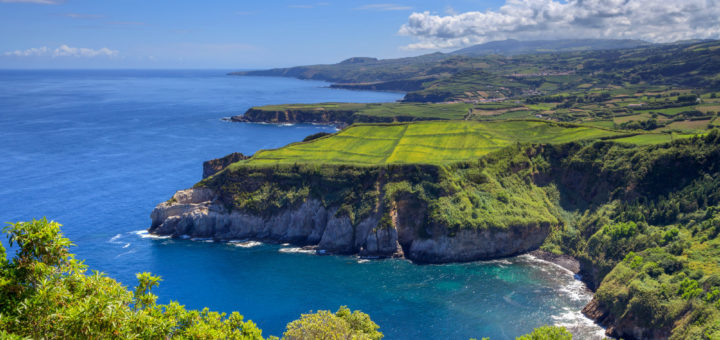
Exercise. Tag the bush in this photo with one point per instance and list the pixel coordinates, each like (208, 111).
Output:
(325, 325)
(547, 333)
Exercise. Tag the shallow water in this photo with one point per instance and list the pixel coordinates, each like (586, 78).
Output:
(97, 150)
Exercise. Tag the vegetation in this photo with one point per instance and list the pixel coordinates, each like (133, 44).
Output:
(629, 187)
(648, 243)
(340, 325)
(467, 76)
(424, 142)
(651, 242)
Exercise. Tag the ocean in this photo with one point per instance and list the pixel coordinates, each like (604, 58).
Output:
(97, 150)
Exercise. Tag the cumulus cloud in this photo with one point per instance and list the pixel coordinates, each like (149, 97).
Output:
(384, 7)
(651, 20)
(62, 51)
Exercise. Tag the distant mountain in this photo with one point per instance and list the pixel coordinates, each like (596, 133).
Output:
(515, 47)
(512, 68)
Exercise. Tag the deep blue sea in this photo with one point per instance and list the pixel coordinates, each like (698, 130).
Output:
(97, 150)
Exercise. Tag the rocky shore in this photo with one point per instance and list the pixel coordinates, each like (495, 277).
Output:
(199, 213)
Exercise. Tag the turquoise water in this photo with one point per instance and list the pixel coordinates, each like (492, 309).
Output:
(97, 150)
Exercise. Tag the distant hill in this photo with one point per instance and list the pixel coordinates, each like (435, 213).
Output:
(515, 47)
(511, 68)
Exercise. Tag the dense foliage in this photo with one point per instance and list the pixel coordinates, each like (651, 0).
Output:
(645, 220)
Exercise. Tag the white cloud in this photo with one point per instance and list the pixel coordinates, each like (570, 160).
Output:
(62, 51)
(43, 2)
(385, 7)
(652, 20)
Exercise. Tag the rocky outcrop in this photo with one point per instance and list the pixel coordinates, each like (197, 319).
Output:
(214, 166)
(626, 327)
(320, 116)
(199, 213)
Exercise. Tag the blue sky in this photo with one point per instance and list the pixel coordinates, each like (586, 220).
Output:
(209, 34)
(229, 34)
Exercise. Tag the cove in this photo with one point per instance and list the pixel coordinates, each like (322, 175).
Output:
(96, 150)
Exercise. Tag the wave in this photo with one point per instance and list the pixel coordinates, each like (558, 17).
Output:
(578, 324)
(297, 250)
(570, 286)
(145, 234)
(132, 251)
(498, 261)
(245, 244)
(115, 239)
(202, 239)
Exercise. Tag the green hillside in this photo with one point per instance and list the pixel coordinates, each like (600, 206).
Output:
(431, 142)
(442, 77)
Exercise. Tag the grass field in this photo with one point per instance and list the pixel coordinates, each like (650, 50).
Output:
(670, 111)
(605, 124)
(430, 142)
(638, 117)
(419, 110)
(690, 125)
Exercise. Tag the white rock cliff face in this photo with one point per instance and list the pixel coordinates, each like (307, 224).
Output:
(197, 212)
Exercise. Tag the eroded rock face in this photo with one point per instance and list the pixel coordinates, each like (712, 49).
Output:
(198, 213)
(214, 166)
(625, 327)
(472, 245)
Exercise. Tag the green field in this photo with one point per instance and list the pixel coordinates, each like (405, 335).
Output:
(670, 111)
(649, 139)
(437, 142)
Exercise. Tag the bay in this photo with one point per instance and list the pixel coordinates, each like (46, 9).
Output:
(97, 150)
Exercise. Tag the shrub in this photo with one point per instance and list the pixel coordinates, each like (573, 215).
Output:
(547, 333)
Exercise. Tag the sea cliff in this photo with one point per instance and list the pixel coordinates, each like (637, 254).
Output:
(376, 220)
(340, 115)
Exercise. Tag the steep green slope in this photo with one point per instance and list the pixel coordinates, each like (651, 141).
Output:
(644, 221)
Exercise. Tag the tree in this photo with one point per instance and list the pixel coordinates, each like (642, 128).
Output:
(47, 293)
(324, 325)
